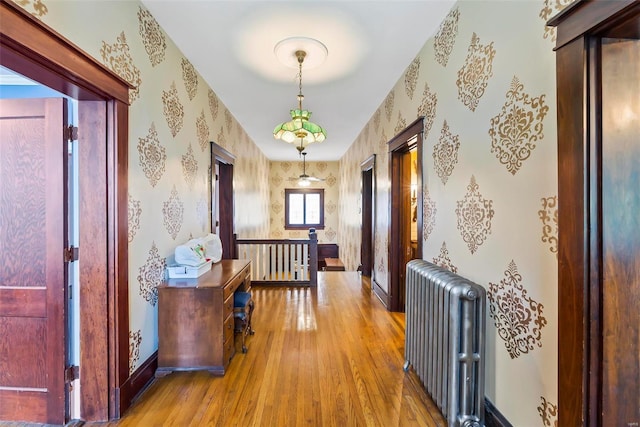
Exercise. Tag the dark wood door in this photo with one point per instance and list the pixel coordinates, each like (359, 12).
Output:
(222, 196)
(620, 195)
(225, 210)
(598, 79)
(32, 277)
(366, 248)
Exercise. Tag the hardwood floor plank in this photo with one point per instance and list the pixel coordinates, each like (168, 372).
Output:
(325, 356)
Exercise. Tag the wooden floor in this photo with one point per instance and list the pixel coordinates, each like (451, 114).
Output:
(325, 356)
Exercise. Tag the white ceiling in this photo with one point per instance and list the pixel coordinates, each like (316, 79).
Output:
(231, 44)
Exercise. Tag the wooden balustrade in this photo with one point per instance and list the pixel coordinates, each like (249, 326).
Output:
(281, 261)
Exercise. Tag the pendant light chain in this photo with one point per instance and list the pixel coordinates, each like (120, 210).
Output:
(300, 55)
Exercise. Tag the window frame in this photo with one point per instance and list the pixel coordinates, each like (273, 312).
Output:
(304, 191)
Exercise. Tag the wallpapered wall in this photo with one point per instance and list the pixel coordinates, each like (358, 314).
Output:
(280, 172)
(485, 83)
(173, 116)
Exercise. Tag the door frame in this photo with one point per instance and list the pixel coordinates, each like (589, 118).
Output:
(226, 202)
(34, 50)
(398, 146)
(580, 264)
(368, 197)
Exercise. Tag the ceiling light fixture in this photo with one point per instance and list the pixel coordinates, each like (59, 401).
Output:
(299, 130)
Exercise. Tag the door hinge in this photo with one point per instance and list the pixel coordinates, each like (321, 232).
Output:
(71, 133)
(71, 254)
(71, 373)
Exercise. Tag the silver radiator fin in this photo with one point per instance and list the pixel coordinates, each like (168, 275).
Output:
(445, 339)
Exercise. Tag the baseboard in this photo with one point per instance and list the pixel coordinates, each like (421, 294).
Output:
(382, 295)
(493, 417)
(137, 382)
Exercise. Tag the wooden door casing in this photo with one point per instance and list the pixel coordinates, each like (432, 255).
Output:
(598, 201)
(403, 142)
(226, 205)
(32, 242)
(367, 249)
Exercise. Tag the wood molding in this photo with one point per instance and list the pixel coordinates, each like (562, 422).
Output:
(369, 189)
(382, 295)
(139, 380)
(573, 345)
(81, 75)
(94, 269)
(586, 17)
(411, 137)
(369, 163)
(220, 154)
(118, 232)
(401, 139)
(493, 417)
(225, 198)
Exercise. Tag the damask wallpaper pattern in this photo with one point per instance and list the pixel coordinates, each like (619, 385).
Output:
(549, 217)
(173, 109)
(152, 37)
(173, 116)
(117, 56)
(489, 184)
(517, 317)
(474, 75)
(189, 167)
(445, 153)
(474, 214)
(443, 259)
(152, 156)
(443, 41)
(515, 131)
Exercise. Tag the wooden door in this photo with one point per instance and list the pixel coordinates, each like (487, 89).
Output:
(620, 234)
(366, 247)
(222, 161)
(32, 242)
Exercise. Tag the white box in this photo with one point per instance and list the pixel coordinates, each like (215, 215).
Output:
(176, 271)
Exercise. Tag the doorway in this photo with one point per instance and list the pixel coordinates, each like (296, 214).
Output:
(26, 46)
(405, 208)
(222, 200)
(367, 249)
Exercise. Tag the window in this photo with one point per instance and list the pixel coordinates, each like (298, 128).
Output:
(303, 208)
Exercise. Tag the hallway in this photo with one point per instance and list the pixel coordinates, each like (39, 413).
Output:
(330, 356)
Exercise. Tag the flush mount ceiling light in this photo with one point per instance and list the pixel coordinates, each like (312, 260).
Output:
(299, 130)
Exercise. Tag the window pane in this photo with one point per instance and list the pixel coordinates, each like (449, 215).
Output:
(296, 209)
(313, 209)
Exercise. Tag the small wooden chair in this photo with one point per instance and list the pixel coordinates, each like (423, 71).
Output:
(242, 310)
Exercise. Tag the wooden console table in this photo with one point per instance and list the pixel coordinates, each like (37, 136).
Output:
(195, 319)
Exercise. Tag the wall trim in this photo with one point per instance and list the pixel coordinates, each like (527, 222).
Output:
(138, 381)
(493, 417)
(382, 295)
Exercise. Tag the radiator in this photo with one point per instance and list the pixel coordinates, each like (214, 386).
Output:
(444, 340)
